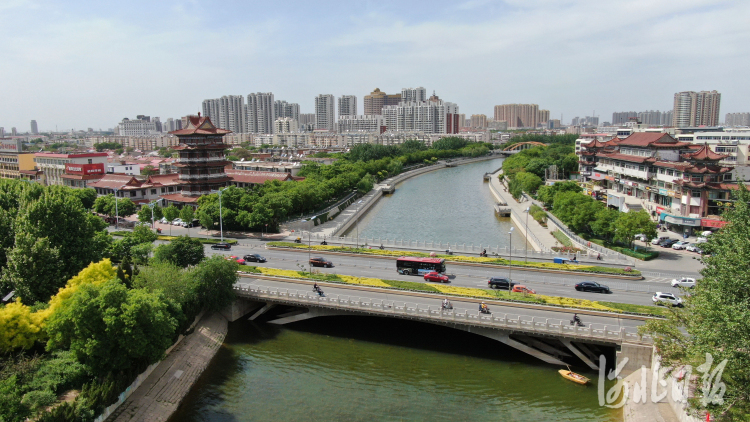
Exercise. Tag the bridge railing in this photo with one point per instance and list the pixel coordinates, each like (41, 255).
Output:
(435, 313)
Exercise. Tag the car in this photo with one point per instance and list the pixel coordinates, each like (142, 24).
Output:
(683, 282)
(662, 298)
(320, 262)
(176, 221)
(707, 233)
(641, 237)
(682, 244)
(222, 245)
(692, 247)
(500, 283)
(254, 257)
(164, 220)
(436, 276)
(592, 286)
(236, 259)
(520, 288)
(701, 239)
(657, 240)
(668, 243)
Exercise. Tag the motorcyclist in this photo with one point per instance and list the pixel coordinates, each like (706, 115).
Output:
(445, 303)
(324, 242)
(577, 320)
(483, 307)
(484, 252)
(316, 288)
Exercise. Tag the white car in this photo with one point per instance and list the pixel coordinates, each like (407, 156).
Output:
(682, 244)
(701, 239)
(641, 237)
(660, 298)
(176, 221)
(656, 240)
(164, 220)
(684, 282)
(707, 233)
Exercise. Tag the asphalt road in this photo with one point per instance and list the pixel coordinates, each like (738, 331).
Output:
(624, 291)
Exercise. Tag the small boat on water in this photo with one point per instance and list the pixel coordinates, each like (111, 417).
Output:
(572, 376)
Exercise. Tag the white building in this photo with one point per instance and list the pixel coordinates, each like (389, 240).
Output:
(130, 169)
(325, 112)
(285, 125)
(413, 94)
(362, 123)
(434, 116)
(137, 127)
(260, 112)
(53, 164)
(347, 105)
(285, 109)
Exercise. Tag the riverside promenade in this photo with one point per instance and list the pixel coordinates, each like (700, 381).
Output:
(161, 393)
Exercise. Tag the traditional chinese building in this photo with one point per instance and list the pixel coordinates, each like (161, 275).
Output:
(680, 183)
(201, 163)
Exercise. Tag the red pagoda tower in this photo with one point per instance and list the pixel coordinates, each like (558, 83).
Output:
(201, 163)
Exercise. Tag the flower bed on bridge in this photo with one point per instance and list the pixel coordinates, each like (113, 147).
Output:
(565, 302)
(462, 258)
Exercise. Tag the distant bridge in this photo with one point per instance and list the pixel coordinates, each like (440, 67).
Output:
(523, 145)
(549, 339)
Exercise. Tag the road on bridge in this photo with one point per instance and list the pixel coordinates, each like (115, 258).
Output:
(625, 291)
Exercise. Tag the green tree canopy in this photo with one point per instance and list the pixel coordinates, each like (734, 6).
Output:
(629, 224)
(715, 317)
(106, 205)
(182, 251)
(110, 328)
(214, 280)
(33, 269)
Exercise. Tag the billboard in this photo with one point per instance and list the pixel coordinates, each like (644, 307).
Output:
(11, 145)
(84, 169)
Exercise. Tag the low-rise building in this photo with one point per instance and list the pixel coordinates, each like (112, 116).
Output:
(14, 163)
(53, 164)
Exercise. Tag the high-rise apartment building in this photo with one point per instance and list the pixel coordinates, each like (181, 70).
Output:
(461, 120)
(260, 113)
(413, 94)
(433, 116)
(378, 99)
(325, 112)
(518, 115)
(649, 117)
(622, 117)
(137, 127)
(693, 109)
(227, 112)
(737, 119)
(285, 125)
(13, 131)
(543, 117)
(282, 108)
(478, 121)
(34, 128)
(348, 105)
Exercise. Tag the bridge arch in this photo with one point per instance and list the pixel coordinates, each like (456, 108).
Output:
(524, 145)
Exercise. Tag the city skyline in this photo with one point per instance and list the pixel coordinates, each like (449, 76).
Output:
(89, 64)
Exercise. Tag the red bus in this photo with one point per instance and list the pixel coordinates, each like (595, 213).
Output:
(409, 265)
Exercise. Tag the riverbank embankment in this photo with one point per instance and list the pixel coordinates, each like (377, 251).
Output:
(161, 393)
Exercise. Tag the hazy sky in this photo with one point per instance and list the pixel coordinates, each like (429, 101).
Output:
(79, 64)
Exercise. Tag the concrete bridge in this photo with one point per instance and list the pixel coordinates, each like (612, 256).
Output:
(553, 340)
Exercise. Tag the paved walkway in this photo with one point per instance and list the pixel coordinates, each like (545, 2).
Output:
(163, 391)
(648, 411)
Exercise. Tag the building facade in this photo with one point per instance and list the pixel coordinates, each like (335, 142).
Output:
(362, 123)
(34, 128)
(432, 116)
(53, 165)
(285, 109)
(325, 112)
(285, 125)
(737, 119)
(347, 105)
(478, 121)
(260, 112)
(518, 115)
(13, 161)
(378, 99)
(201, 163)
(138, 127)
(692, 109)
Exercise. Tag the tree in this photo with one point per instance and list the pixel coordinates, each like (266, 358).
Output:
(106, 205)
(87, 197)
(567, 207)
(171, 213)
(33, 269)
(182, 251)
(449, 143)
(187, 214)
(529, 182)
(144, 214)
(604, 223)
(214, 280)
(715, 316)
(629, 224)
(149, 170)
(110, 328)
(547, 194)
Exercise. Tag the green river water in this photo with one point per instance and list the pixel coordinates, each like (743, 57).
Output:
(376, 369)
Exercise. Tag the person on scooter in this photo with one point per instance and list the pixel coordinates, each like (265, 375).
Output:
(484, 252)
(577, 320)
(316, 288)
(483, 307)
(445, 303)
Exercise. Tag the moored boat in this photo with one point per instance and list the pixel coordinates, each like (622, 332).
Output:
(572, 376)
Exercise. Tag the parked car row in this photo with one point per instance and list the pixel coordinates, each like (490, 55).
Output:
(179, 222)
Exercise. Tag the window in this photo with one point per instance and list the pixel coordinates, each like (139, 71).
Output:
(153, 191)
(642, 168)
(697, 178)
(670, 172)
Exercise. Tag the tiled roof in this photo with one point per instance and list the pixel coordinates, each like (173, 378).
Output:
(257, 177)
(56, 155)
(704, 153)
(171, 179)
(200, 126)
(178, 197)
(645, 139)
(117, 181)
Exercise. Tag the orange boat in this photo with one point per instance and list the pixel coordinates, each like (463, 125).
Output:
(572, 376)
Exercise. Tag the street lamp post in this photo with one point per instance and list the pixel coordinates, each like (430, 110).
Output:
(151, 205)
(526, 247)
(510, 238)
(221, 222)
(117, 213)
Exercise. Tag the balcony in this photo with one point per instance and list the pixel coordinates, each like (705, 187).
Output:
(202, 176)
(196, 160)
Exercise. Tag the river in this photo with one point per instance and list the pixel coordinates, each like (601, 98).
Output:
(366, 369)
(448, 205)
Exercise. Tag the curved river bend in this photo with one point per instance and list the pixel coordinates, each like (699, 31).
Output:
(366, 368)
